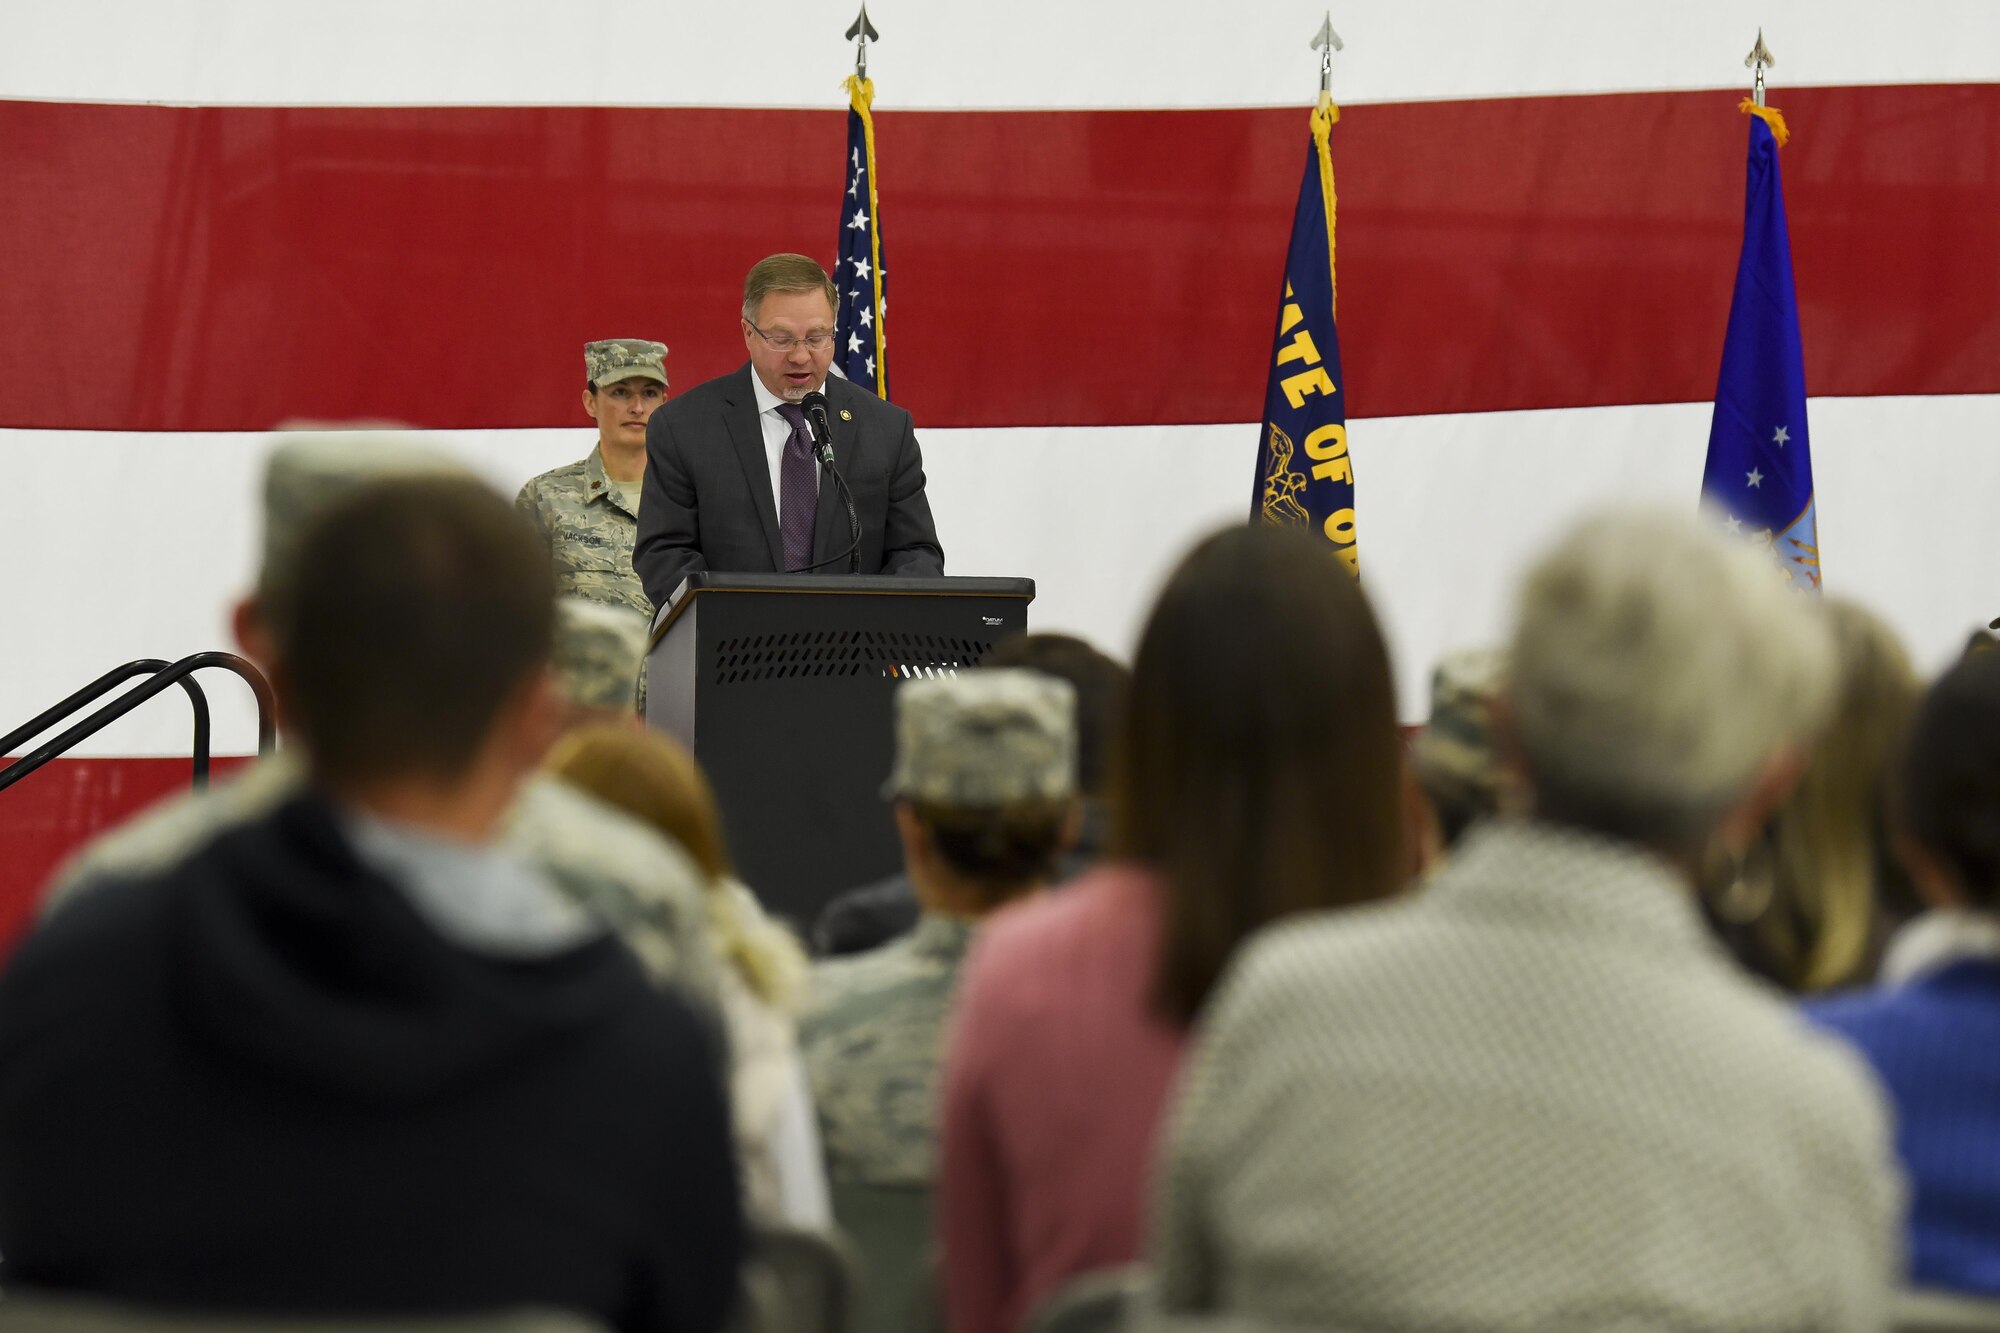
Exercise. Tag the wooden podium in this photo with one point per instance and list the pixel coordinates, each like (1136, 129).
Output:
(781, 685)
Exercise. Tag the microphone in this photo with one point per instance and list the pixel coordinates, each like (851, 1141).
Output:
(814, 406)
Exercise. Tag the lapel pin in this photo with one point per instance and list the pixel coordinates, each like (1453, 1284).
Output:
(846, 415)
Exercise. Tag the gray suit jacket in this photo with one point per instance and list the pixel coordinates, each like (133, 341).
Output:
(707, 502)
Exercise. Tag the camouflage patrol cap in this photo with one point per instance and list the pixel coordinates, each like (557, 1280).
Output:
(616, 359)
(308, 470)
(1456, 748)
(598, 651)
(981, 740)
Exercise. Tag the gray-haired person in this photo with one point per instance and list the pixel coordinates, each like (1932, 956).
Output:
(1536, 1093)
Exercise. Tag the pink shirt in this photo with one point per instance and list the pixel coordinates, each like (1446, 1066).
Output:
(1056, 1074)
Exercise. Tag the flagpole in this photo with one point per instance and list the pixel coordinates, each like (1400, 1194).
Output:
(1326, 42)
(1759, 60)
(862, 32)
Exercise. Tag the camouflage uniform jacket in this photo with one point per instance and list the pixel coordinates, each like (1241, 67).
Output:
(873, 1041)
(631, 879)
(591, 531)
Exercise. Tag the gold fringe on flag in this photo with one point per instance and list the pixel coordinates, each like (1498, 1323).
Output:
(1323, 117)
(1770, 115)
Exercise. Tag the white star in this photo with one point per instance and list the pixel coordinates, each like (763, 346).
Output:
(1755, 478)
(854, 186)
(885, 300)
(854, 295)
(860, 267)
(870, 363)
(1781, 437)
(860, 221)
(854, 342)
(867, 317)
(1735, 524)
(857, 159)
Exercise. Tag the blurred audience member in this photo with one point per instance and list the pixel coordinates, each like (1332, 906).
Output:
(985, 790)
(653, 778)
(1932, 1030)
(1536, 1094)
(1255, 775)
(1456, 762)
(1803, 906)
(599, 651)
(863, 918)
(347, 1057)
(643, 886)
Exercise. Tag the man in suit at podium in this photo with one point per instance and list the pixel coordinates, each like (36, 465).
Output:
(732, 482)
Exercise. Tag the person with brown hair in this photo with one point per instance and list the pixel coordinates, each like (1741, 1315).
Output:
(654, 778)
(349, 1056)
(1255, 774)
(733, 480)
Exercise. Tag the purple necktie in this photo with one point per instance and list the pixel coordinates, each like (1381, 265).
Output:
(798, 490)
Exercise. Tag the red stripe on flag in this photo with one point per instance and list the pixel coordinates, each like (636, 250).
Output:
(54, 810)
(226, 268)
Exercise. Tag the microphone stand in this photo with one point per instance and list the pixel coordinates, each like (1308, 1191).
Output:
(815, 408)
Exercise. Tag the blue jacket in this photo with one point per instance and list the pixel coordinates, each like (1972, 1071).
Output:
(1935, 1045)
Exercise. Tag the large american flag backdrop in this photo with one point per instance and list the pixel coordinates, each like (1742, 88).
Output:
(216, 215)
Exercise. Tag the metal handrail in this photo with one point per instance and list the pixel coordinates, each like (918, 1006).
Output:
(164, 674)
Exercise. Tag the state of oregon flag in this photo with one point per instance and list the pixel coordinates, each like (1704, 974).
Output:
(1304, 474)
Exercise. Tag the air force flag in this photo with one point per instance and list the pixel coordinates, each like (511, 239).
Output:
(1304, 474)
(1759, 472)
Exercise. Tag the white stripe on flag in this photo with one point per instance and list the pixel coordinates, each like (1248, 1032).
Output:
(1451, 508)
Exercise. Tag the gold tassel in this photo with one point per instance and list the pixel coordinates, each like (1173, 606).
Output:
(1770, 115)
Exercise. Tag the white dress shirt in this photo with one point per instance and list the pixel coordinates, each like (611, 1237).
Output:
(777, 432)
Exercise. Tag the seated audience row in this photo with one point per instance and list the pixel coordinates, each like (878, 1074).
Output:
(1196, 965)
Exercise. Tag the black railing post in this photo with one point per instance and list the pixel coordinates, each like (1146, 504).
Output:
(164, 674)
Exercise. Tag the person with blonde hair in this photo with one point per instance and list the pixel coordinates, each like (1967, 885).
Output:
(653, 778)
(1804, 907)
(1535, 1094)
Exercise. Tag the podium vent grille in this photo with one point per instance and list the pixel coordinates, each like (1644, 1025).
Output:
(872, 653)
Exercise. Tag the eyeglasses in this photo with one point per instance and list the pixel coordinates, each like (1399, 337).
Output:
(785, 342)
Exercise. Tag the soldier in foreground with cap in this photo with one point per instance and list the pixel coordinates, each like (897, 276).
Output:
(589, 510)
(985, 792)
(643, 886)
